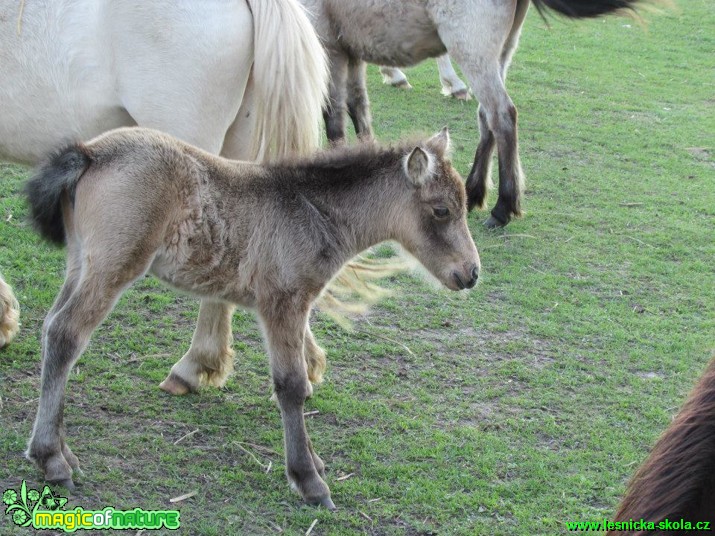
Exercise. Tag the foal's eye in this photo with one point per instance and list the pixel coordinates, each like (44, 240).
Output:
(440, 212)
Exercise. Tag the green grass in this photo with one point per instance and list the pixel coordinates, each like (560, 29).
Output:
(507, 410)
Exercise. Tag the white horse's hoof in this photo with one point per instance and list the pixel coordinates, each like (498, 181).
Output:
(461, 94)
(9, 314)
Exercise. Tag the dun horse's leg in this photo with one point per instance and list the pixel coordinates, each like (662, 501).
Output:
(75, 315)
(452, 85)
(480, 177)
(9, 314)
(357, 100)
(284, 325)
(334, 112)
(394, 77)
(210, 357)
(501, 120)
(486, 67)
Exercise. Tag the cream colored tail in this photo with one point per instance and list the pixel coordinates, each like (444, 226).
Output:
(290, 73)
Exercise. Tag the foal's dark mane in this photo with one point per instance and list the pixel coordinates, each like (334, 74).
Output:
(678, 478)
(365, 155)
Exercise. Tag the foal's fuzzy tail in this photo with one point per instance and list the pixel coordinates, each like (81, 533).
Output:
(290, 73)
(59, 174)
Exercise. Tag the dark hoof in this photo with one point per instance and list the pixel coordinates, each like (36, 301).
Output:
(492, 223)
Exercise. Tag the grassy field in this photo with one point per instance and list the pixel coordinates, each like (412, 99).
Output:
(508, 410)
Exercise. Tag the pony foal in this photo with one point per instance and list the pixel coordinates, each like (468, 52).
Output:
(268, 237)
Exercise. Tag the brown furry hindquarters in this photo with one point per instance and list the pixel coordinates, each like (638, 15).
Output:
(677, 480)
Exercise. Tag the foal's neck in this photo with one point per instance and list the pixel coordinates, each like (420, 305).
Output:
(360, 198)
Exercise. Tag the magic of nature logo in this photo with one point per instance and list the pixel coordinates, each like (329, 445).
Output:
(43, 510)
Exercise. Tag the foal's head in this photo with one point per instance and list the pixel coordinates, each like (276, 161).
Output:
(435, 230)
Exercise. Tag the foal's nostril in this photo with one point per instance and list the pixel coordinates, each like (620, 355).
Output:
(473, 280)
(460, 284)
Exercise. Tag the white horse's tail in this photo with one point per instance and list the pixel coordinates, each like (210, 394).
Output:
(290, 73)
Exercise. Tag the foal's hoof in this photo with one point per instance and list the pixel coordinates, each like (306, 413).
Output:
(492, 223)
(175, 385)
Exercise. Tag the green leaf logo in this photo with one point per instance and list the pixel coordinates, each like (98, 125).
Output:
(20, 506)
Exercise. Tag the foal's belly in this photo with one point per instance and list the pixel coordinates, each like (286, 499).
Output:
(211, 282)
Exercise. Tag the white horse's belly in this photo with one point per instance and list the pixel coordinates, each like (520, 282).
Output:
(81, 67)
(54, 84)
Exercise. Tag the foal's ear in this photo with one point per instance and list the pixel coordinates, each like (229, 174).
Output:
(419, 166)
(440, 142)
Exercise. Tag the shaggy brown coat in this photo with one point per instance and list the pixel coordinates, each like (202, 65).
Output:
(267, 237)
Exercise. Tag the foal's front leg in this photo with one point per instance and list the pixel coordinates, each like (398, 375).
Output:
(284, 325)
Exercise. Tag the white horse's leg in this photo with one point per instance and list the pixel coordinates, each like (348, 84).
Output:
(358, 103)
(395, 77)
(452, 85)
(9, 314)
(314, 356)
(203, 101)
(209, 360)
(482, 62)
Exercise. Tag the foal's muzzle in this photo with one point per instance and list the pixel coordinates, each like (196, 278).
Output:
(466, 280)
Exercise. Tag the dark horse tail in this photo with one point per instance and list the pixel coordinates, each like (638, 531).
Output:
(57, 175)
(677, 481)
(581, 9)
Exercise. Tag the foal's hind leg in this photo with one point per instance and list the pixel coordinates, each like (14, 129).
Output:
(76, 314)
(210, 357)
(9, 314)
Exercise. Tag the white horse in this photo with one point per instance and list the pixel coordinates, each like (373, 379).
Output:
(480, 35)
(452, 85)
(246, 79)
